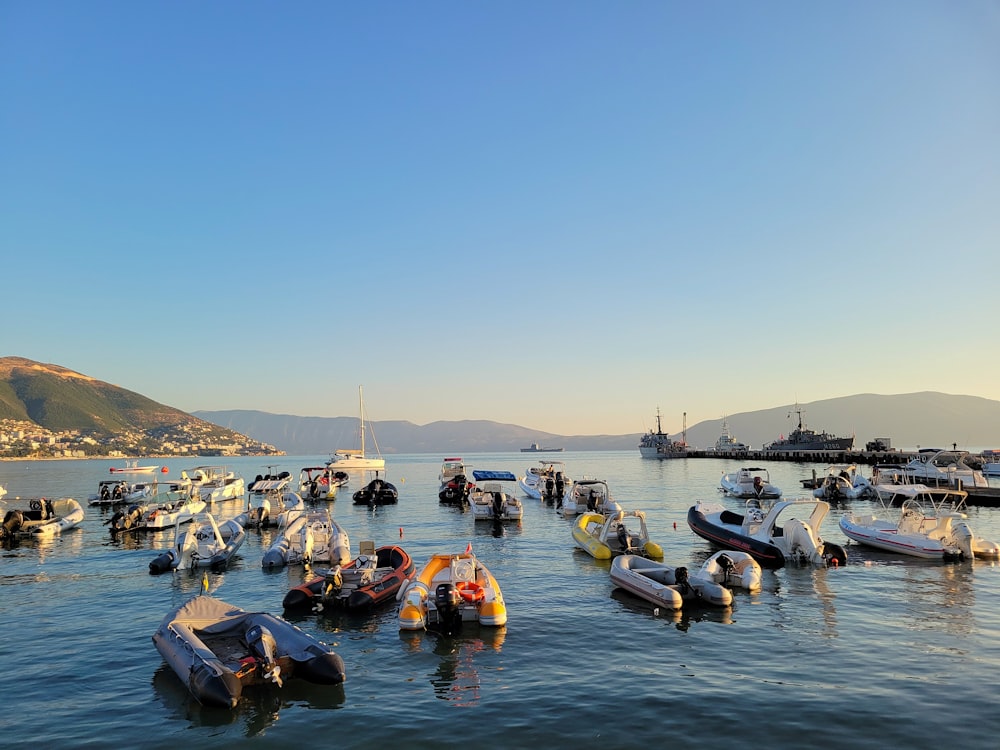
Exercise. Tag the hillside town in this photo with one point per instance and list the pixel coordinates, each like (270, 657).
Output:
(22, 439)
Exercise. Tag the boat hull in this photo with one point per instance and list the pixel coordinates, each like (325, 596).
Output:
(382, 588)
(729, 536)
(206, 642)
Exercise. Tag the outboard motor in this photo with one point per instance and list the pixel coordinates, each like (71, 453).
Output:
(549, 488)
(681, 581)
(498, 503)
(105, 492)
(264, 648)
(13, 521)
(592, 500)
(623, 539)
(560, 484)
(447, 601)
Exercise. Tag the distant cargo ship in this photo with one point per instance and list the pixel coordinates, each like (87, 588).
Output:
(536, 448)
(801, 439)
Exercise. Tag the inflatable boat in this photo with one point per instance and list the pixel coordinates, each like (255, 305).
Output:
(309, 538)
(771, 533)
(622, 532)
(217, 649)
(451, 590)
(372, 578)
(43, 518)
(203, 543)
(664, 585)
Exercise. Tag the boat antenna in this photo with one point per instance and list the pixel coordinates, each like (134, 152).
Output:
(684, 429)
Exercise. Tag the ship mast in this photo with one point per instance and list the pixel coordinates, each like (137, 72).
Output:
(684, 429)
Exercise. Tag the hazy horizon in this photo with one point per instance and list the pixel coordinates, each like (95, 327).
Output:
(558, 215)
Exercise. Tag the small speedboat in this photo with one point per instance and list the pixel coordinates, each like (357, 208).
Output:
(202, 543)
(772, 533)
(119, 492)
(490, 501)
(450, 469)
(732, 569)
(930, 523)
(377, 492)
(217, 649)
(621, 532)
(270, 507)
(321, 482)
(587, 496)
(665, 585)
(456, 491)
(215, 483)
(43, 519)
(547, 481)
(451, 590)
(373, 577)
(844, 482)
(157, 516)
(749, 482)
(309, 538)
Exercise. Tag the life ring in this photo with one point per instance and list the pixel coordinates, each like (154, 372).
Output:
(470, 591)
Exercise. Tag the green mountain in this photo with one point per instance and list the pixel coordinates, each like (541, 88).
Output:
(60, 400)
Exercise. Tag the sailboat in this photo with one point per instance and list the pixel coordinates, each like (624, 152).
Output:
(354, 458)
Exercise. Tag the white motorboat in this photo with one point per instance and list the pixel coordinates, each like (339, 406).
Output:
(844, 482)
(621, 532)
(321, 483)
(450, 468)
(356, 458)
(771, 532)
(665, 585)
(202, 543)
(920, 521)
(157, 516)
(547, 481)
(587, 495)
(749, 482)
(945, 468)
(132, 467)
(309, 538)
(42, 519)
(271, 503)
(215, 483)
(733, 569)
(490, 501)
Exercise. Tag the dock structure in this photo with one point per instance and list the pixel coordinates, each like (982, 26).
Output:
(812, 457)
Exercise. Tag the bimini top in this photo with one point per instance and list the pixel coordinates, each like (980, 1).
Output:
(499, 476)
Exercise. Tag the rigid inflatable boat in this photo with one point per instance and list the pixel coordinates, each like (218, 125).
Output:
(449, 591)
(772, 533)
(373, 577)
(43, 518)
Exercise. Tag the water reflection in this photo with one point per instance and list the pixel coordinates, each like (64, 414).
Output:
(258, 709)
(691, 613)
(456, 677)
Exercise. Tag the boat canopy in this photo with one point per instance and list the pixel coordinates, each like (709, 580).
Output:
(499, 476)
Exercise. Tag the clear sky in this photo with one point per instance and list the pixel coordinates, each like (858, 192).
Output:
(558, 214)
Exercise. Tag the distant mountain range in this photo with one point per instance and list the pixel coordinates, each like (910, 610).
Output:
(59, 399)
(925, 419)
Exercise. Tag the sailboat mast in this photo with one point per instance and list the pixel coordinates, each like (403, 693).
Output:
(361, 419)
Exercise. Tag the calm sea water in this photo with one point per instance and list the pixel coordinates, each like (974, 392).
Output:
(884, 652)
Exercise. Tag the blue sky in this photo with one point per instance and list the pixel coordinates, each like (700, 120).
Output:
(555, 214)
